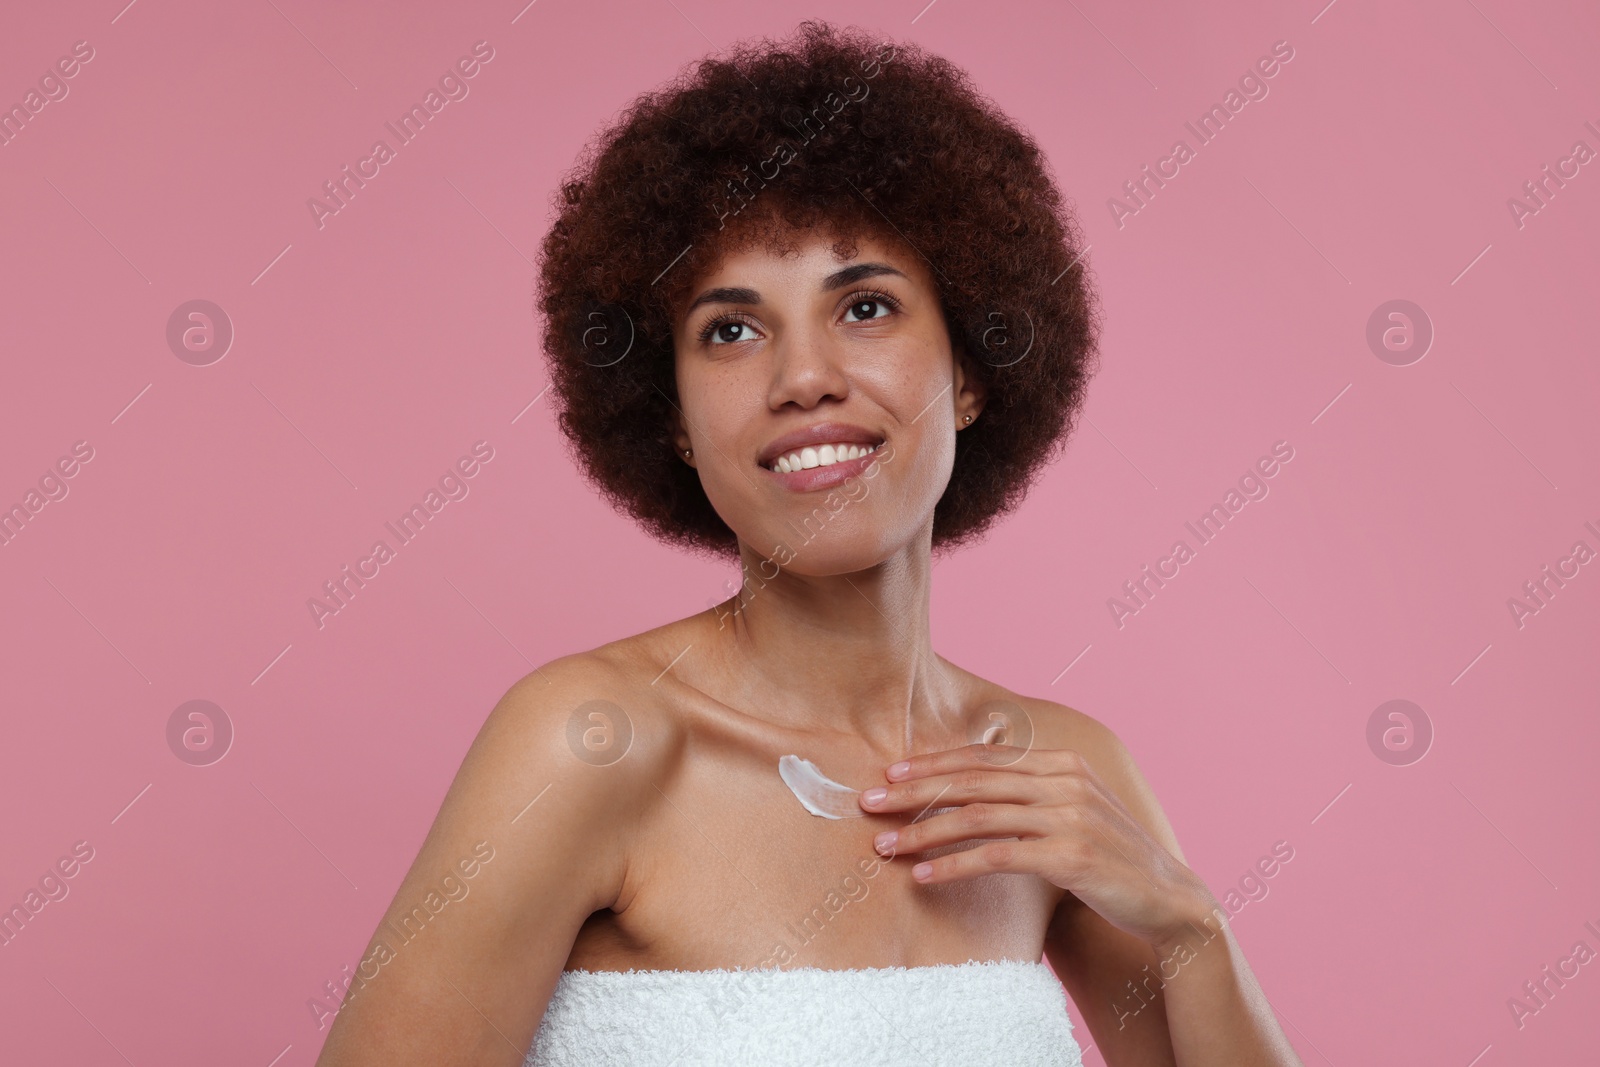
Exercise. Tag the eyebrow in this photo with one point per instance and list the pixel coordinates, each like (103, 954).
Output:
(837, 280)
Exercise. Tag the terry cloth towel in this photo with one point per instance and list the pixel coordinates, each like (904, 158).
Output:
(1008, 1013)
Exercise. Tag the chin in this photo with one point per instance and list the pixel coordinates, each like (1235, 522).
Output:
(840, 548)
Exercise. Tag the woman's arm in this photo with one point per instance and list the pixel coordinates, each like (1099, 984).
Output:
(1190, 999)
(531, 838)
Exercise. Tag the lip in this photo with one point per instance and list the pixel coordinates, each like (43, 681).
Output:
(815, 478)
(821, 433)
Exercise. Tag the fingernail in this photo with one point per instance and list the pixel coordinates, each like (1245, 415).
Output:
(875, 796)
(884, 842)
(897, 769)
(921, 871)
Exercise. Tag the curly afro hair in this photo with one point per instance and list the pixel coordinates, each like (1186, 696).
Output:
(831, 128)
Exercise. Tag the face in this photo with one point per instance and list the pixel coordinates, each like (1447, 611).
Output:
(792, 366)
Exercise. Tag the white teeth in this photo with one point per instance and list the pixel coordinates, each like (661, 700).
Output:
(820, 456)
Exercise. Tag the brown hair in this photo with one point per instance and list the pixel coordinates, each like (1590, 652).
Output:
(828, 127)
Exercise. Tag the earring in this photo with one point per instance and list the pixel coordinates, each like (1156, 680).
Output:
(688, 452)
(966, 418)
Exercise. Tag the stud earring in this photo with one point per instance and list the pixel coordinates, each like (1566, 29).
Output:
(688, 452)
(966, 418)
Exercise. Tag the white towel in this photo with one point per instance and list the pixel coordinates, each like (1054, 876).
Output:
(1004, 1012)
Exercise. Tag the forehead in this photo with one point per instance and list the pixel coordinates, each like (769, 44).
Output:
(778, 250)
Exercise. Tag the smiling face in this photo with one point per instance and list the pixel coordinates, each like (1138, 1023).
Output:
(815, 356)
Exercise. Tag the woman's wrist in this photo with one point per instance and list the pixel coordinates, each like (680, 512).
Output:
(1201, 917)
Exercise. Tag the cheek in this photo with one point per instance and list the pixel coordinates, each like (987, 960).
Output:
(731, 496)
(711, 408)
(928, 462)
(900, 497)
(717, 413)
(914, 388)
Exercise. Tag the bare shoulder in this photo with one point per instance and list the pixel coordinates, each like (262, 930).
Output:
(593, 699)
(590, 721)
(578, 746)
(600, 704)
(533, 836)
(1056, 725)
(561, 770)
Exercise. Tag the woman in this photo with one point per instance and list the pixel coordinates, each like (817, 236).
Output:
(817, 307)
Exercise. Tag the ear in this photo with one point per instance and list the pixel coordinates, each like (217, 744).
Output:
(968, 390)
(679, 438)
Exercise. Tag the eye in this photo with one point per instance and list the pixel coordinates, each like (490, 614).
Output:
(864, 307)
(726, 330)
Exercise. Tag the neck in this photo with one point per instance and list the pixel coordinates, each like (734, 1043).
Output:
(851, 653)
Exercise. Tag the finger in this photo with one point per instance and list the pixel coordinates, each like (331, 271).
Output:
(966, 823)
(1008, 757)
(996, 857)
(962, 787)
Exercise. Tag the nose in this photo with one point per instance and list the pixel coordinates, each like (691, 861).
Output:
(807, 367)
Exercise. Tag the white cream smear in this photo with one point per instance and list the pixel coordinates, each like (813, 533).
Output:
(819, 794)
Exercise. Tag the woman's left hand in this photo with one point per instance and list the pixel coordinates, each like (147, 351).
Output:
(1070, 829)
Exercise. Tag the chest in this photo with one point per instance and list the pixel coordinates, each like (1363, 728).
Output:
(734, 872)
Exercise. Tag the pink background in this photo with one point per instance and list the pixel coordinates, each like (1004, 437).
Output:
(371, 353)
